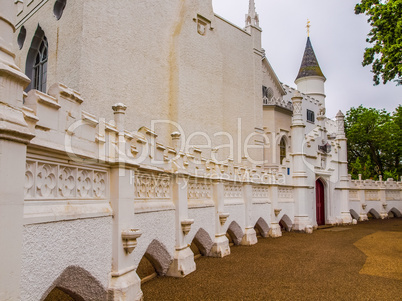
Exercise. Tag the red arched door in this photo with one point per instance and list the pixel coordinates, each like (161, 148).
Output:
(319, 196)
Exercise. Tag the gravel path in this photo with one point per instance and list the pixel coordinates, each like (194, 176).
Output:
(325, 265)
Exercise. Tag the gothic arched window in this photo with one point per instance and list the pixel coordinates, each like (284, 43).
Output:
(36, 64)
(39, 72)
(282, 150)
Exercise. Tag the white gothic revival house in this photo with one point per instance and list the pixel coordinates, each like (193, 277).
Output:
(135, 134)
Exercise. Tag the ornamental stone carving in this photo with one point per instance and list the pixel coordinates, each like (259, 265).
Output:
(371, 195)
(149, 185)
(29, 185)
(129, 238)
(233, 190)
(45, 180)
(285, 193)
(99, 186)
(391, 195)
(203, 25)
(84, 183)
(186, 225)
(199, 190)
(353, 195)
(297, 107)
(66, 181)
(223, 216)
(340, 123)
(260, 192)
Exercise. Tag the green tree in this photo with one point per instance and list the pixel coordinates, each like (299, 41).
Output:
(385, 18)
(374, 142)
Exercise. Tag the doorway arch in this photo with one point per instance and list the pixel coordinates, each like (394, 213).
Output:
(320, 201)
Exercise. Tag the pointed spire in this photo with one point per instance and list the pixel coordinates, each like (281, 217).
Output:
(252, 16)
(309, 65)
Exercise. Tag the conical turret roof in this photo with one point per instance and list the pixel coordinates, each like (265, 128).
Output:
(309, 65)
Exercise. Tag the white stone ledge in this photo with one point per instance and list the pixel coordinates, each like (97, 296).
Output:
(145, 206)
(232, 24)
(200, 203)
(261, 201)
(286, 201)
(39, 212)
(233, 202)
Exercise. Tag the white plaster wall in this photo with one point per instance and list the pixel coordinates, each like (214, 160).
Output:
(312, 85)
(50, 248)
(203, 218)
(241, 80)
(356, 206)
(154, 225)
(237, 214)
(335, 202)
(268, 80)
(261, 210)
(311, 204)
(288, 209)
(376, 205)
(310, 104)
(394, 204)
(277, 122)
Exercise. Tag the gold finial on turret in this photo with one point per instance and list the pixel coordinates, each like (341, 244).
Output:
(308, 27)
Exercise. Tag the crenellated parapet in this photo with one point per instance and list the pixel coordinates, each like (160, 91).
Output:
(390, 183)
(290, 90)
(276, 101)
(59, 124)
(377, 198)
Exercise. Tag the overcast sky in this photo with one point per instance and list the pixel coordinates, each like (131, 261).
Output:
(338, 37)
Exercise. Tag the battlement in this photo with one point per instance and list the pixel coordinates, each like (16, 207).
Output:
(278, 102)
(371, 184)
(59, 124)
(290, 90)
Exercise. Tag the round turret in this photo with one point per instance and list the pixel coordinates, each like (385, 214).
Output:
(310, 79)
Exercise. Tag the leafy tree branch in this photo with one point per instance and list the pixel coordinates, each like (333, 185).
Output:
(385, 55)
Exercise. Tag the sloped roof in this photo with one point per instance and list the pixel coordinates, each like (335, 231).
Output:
(274, 76)
(309, 65)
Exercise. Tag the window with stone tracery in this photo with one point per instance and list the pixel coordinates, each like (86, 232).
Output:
(37, 60)
(39, 72)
